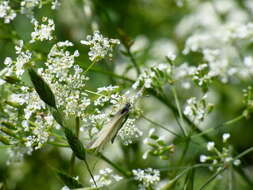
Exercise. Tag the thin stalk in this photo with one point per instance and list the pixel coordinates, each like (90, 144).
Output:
(159, 125)
(178, 109)
(247, 151)
(212, 178)
(175, 112)
(122, 171)
(91, 175)
(110, 74)
(58, 144)
(227, 123)
(89, 67)
(130, 55)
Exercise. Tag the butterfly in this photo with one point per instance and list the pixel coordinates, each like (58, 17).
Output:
(110, 131)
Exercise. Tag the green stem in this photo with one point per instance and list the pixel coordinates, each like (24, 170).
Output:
(212, 178)
(232, 121)
(122, 171)
(178, 109)
(244, 153)
(130, 55)
(175, 112)
(88, 168)
(159, 125)
(58, 144)
(89, 67)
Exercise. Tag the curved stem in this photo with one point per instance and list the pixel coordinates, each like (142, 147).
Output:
(159, 125)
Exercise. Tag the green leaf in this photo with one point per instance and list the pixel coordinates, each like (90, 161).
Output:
(58, 116)
(75, 144)
(42, 88)
(69, 181)
(4, 140)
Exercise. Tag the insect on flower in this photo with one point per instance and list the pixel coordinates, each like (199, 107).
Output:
(109, 132)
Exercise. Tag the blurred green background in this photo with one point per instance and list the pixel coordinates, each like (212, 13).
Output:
(151, 23)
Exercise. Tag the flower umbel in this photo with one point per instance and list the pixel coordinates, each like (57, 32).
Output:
(100, 47)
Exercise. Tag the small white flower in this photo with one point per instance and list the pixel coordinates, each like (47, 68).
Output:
(210, 146)
(65, 188)
(203, 158)
(237, 162)
(100, 47)
(6, 12)
(225, 137)
(129, 132)
(147, 177)
(171, 56)
(42, 31)
(105, 178)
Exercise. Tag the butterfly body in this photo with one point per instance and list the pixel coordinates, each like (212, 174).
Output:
(109, 132)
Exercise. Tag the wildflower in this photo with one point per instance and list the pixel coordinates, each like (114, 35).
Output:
(171, 56)
(129, 132)
(6, 12)
(55, 4)
(197, 110)
(105, 178)
(147, 177)
(210, 146)
(203, 158)
(237, 162)
(225, 137)
(100, 47)
(42, 31)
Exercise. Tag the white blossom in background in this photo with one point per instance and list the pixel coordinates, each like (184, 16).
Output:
(105, 178)
(225, 137)
(171, 56)
(147, 177)
(17, 67)
(6, 12)
(219, 159)
(65, 188)
(43, 31)
(151, 77)
(197, 110)
(28, 5)
(100, 46)
(129, 132)
(210, 146)
(55, 4)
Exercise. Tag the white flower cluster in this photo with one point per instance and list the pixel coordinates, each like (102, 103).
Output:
(129, 132)
(55, 4)
(6, 12)
(100, 47)
(147, 177)
(28, 5)
(197, 111)
(220, 158)
(105, 178)
(34, 125)
(17, 68)
(66, 79)
(42, 31)
(153, 76)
